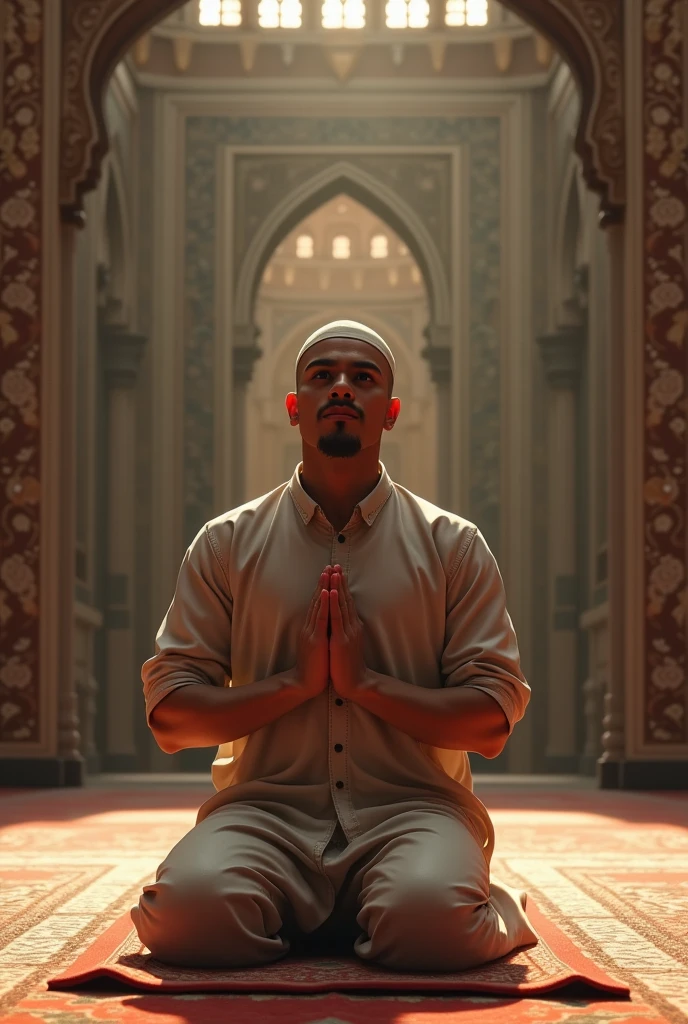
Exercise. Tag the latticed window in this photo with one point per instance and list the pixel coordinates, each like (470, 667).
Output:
(304, 247)
(465, 12)
(279, 14)
(219, 12)
(379, 247)
(343, 13)
(341, 247)
(407, 13)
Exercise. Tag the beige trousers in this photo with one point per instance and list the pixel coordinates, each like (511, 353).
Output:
(412, 894)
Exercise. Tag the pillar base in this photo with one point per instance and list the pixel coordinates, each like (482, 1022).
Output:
(41, 772)
(642, 775)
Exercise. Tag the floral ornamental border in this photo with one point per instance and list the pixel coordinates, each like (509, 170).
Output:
(666, 317)
(97, 34)
(20, 366)
(589, 36)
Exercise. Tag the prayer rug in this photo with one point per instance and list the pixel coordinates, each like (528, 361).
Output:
(609, 870)
(534, 970)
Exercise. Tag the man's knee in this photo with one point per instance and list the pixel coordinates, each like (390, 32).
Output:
(424, 927)
(209, 919)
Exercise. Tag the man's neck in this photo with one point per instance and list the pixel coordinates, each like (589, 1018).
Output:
(336, 484)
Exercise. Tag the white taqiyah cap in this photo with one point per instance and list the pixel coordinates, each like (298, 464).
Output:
(348, 329)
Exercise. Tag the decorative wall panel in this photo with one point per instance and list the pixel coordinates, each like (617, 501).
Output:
(666, 317)
(421, 179)
(21, 132)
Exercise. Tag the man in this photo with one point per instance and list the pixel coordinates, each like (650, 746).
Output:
(343, 713)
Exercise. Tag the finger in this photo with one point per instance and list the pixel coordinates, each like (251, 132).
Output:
(323, 613)
(350, 606)
(341, 602)
(336, 617)
(314, 606)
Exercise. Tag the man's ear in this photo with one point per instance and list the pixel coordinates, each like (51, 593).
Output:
(292, 404)
(393, 410)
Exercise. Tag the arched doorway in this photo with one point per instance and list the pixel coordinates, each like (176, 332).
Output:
(341, 260)
(590, 37)
(235, 330)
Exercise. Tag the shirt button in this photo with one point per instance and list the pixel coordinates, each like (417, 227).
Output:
(339, 785)
(338, 700)
(341, 538)
(338, 747)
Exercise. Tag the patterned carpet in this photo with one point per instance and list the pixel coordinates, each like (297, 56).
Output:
(610, 870)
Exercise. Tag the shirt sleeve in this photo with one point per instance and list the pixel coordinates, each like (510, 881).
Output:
(480, 645)
(193, 644)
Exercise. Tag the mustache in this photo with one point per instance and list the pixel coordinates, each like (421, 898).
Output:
(341, 405)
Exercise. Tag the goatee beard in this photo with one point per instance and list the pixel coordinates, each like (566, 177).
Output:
(339, 445)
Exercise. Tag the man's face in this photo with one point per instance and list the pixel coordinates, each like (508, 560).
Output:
(342, 402)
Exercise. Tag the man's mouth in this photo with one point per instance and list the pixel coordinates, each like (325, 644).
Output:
(341, 415)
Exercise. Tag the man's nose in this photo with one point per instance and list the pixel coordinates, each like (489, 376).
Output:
(341, 387)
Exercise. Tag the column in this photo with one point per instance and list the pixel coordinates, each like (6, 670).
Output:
(439, 357)
(561, 353)
(244, 354)
(68, 726)
(121, 353)
(610, 764)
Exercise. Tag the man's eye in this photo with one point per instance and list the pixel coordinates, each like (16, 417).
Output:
(361, 374)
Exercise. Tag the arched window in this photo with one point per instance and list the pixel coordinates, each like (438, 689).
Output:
(407, 13)
(343, 13)
(279, 14)
(219, 12)
(379, 247)
(304, 247)
(341, 247)
(465, 12)
(415, 275)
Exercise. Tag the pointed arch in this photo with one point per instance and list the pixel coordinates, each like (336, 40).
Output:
(343, 176)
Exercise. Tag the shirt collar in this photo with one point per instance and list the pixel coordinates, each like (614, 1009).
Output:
(369, 506)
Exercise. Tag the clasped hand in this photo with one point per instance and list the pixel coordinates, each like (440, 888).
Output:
(331, 643)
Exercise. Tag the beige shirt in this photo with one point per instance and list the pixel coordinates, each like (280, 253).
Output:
(431, 598)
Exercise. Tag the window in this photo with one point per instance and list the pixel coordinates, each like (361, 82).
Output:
(341, 247)
(279, 14)
(379, 247)
(415, 275)
(304, 247)
(343, 14)
(407, 13)
(466, 12)
(219, 12)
